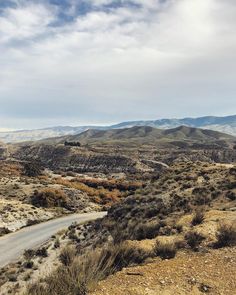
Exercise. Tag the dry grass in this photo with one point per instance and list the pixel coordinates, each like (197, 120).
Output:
(67, 255)
(165, 250)
(198, 217)
(194, 239)
(82, 273)
(226, 235)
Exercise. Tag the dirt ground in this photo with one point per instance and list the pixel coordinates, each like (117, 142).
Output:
(188, 273)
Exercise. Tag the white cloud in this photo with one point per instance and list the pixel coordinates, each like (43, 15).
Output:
(24, 22)
(171, 58)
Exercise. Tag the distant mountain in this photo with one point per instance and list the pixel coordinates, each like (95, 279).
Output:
(222, 124)
(147, 134)
(38, 134)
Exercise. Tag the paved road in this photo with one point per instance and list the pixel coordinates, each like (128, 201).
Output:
(13, 245)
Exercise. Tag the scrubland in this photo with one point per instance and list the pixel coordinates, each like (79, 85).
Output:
(172, 233)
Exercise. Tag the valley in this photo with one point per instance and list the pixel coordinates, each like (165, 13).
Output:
(170, 198)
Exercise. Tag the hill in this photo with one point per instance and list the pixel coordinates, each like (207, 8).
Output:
(128, 150)
(149, 135)
(223, 124)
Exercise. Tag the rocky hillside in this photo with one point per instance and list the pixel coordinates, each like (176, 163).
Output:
(146, 134)
(223, 124)
(130, 150)
(177, 234)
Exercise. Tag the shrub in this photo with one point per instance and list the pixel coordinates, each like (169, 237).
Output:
(198, 217)
(194, 239)
(57, 243)
(166, 250)
(226, 235)
(4, 231)
(67, 255)
(42, 252)
(84, 272)
(123, 255)
(48, 198)
(28, 264)
(12, 277)
(32, 169)
(231, 195)
(31, 222)
(29, 254)
(147, 231)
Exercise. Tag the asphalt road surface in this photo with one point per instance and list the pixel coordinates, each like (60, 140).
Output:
(13, 245)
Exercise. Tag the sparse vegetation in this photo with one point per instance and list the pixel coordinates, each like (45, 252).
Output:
(4, 231)
(48, 198)
(165, 250)
(67, 255)
(198, 217)
(194, 239)
(32, 169)
(226, 235)
(78, 275)
(174, 206)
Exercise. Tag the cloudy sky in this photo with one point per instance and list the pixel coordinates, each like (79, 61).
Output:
(103, 61)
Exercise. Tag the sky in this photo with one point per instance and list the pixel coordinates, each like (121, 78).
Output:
(76, 62)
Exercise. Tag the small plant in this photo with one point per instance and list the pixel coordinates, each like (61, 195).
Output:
(12, 277)
(166, 250)
(198, 217)
(49, 198)
(226, 235)
(194, 239)
(31, 222)
(28, 264)
(42, 252)
(29, 254)
(32, 169)
(4, 231)
(57, 243)
(67, 255)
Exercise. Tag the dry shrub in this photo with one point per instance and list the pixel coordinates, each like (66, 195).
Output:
(49, 197)
(4, 231)
(198, 217)
(83, 273)
(147, 231)
(32, 169)
(41, 252)
(166, 250)
(67, 255)
(10, 169)
(98, 195)
(119, 184)
(194, 239)
(29, 254)
(226, 235)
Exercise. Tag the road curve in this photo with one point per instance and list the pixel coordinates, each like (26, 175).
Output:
(13, 245)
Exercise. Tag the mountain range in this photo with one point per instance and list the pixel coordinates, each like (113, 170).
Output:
(223, 124)
(147, 134)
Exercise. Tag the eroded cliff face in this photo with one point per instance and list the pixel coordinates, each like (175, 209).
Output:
(67, 158)
(202, 155)
(110, 160)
